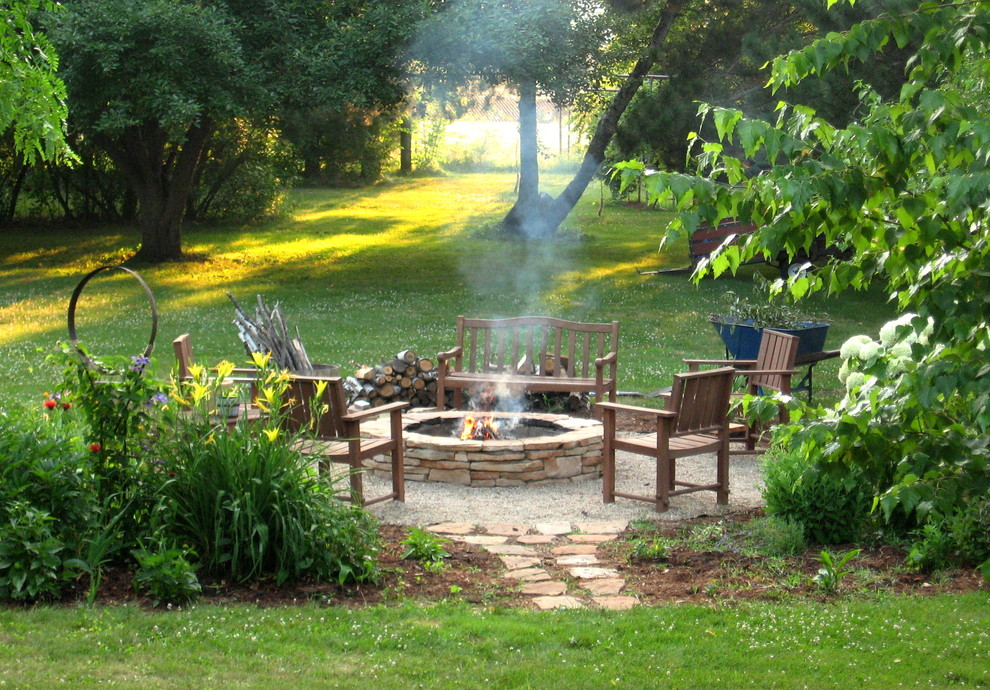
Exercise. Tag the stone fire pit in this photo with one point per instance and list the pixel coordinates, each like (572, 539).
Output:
(551, 448)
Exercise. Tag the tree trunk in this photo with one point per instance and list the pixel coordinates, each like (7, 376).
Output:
(405, 146)
(553, 214)
(526, 217)
(161, 176)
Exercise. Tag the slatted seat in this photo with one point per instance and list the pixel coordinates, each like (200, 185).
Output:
(333, 434)
(530, 354)
(694, 422)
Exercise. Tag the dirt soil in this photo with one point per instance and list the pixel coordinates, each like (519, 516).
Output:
(687, 575)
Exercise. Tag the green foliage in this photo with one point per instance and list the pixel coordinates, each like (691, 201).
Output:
(32, 97)
(166, 575)
(774, 535)
(31, 566)
(249, 503)
(829, 506)
(932, 549)
(764, 309)
(424, 546)
(904, 189)
(655, 549)
(833, 569)
(971, 533)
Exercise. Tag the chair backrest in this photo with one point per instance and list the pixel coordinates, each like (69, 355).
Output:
(328, 408)
(777, 353)
(701, 400)
(183, 355)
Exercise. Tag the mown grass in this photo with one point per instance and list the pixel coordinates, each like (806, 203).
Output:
(869, 643)
(365, 273)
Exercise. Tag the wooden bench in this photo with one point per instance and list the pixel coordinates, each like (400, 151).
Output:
(533, 354)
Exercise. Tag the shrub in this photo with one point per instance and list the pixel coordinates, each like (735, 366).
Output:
(932, 548)
(971, 533)
(775, 535)
(253, 507)
(166, 575)
(31, 564)
(829, 506)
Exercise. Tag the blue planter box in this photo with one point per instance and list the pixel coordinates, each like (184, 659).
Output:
(742, 341)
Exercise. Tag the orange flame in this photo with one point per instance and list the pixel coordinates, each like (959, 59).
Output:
(478, 428)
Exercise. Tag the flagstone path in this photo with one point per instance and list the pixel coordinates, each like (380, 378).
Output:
(554, 562)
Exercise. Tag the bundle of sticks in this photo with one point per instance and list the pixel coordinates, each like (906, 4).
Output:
(268, 332)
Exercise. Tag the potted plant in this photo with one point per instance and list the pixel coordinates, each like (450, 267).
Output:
(741, 324)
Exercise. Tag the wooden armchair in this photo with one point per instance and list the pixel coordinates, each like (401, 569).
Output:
(771, 371)
(182, 347)
(695, 421)
(336, 432)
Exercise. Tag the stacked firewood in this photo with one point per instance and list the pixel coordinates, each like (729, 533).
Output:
(405, 377)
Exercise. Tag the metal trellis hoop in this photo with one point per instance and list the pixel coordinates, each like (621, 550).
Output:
(75, 298)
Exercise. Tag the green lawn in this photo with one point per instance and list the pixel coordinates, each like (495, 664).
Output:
(365, 273)
(851, 643)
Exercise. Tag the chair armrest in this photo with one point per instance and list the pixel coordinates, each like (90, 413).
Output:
(374, 411)
(618, 407)
(757, 372)
(450, 354)
(693, 364)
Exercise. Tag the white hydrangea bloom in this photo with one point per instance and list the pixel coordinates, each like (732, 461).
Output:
(888, 333)
(855, 380)
(851, 347)
(844, 371)
(868, 351)
(901, 350)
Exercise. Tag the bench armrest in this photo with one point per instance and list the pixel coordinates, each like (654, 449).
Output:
(610, 358)
(450, 354)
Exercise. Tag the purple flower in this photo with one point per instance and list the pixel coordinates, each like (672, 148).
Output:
(157, 399)
(139, 362)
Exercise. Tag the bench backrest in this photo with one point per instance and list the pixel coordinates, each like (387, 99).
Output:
(534, 345)
(707, 239)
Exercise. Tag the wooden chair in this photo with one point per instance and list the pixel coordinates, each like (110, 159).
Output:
(770, 372)
(336, 432)
(182, 347)
(695, 421)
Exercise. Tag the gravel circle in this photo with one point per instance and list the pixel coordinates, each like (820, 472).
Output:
(429, 503)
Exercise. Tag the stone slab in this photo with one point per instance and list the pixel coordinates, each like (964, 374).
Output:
(604, 587)
(623, 603)
(545, 589)
(507, 530)
(528, 575)
(535, 539)
(592, 538)
(572, 549)
(510, 550)
(451, 528)
(482, 539)
(593, 573)
(518, 562)
(553, 528)
(563, 602)
(578, 559)
(603, 527)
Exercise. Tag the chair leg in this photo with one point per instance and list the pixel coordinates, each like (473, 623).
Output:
(357, 481)
(665, 479)
(722, 471)
(673, 473)
(398, 473)
(608, 457)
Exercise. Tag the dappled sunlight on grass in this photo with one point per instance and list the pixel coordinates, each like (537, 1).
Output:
(365, 273)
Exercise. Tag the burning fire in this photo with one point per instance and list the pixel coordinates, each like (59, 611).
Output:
(479, 428)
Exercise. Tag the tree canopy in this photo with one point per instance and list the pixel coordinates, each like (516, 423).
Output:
(906, 188)
(149, 80)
